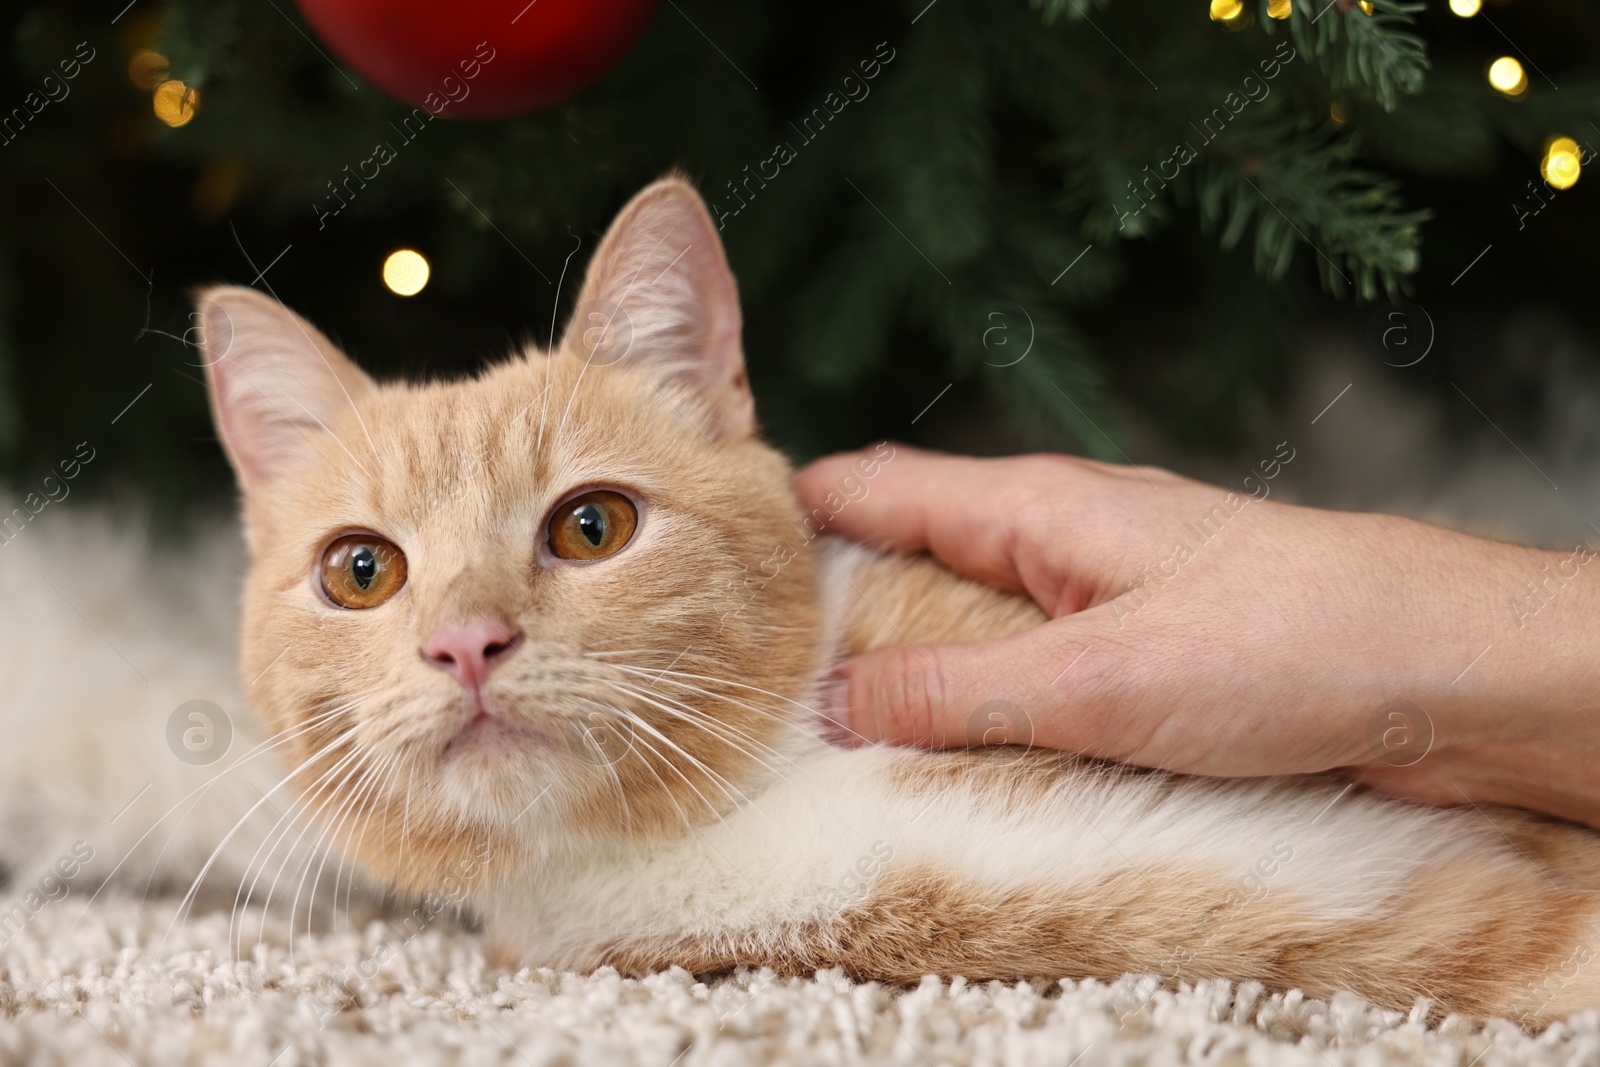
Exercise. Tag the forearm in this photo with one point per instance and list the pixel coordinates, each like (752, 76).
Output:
(1518, 722)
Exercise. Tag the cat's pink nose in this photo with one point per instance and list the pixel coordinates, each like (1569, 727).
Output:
(470, 652)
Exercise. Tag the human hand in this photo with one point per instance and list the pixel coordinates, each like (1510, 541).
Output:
(1220, 632)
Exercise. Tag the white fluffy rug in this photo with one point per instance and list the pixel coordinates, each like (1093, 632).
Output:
(93, 986)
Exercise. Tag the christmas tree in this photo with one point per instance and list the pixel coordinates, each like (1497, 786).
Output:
(1058, 213)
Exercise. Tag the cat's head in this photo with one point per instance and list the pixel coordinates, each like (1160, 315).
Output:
(557, 603)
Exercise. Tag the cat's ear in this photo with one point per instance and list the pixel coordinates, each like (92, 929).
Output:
(659, 292)
(276, 383)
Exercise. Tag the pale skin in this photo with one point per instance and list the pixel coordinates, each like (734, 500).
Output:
(1271, 646)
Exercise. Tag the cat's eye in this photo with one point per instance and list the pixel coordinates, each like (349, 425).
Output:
(592, 526)
(362, 570)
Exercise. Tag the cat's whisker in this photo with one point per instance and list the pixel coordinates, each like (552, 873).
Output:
(351, 806)
(555, 342)
(705, 724)
(722, 731)
(688, 823)
(283, 737)
(279, 738)
(736, 796)
(648, 764)
(658, 675)
(205, 869)
(595, 348)
(321, 847)
(383, 829)
(622, 798)
(319, 850)
(298, 807)
(298, 804)
(396, 764)
(668, 678)
(405, 821)
(712, 724)
(691, 826)
(544, 407)
(740, 685)
(364, 810)
(301, 851)
(356, 784)
(286, 819)
(731, 742)
(330, 839)
(819, 801)
(258, 863)
(601, 650)
(615, 778)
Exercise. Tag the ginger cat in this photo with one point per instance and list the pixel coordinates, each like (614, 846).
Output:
(555, 636)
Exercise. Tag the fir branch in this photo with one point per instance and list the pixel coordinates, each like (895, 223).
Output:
(1302, 188)
(1361, 52)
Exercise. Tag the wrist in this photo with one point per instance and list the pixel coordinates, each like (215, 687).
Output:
(1521, 724)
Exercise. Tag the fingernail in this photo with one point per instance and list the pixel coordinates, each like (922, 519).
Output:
(833, 702)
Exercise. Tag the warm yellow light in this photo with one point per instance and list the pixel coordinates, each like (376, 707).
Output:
(1226, 10)
(1507, 75)
(1338, 115)
(405, 272)
(1365, 6)
(147, 69)
(1279, 9)
(1561, 163)
(175, 103)
(1465, 8)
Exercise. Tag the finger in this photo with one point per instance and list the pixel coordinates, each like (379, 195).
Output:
(1012, 690)
(897, 497)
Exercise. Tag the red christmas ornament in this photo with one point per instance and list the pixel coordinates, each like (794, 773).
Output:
(479, 58)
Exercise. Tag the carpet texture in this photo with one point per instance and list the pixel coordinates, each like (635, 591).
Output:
(96, 986)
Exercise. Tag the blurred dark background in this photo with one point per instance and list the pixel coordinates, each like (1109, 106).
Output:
(964, 212)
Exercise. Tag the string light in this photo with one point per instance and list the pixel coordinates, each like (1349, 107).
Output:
(1279, 9)
(175, 103)
(405, 272)
(147, 69)
(1507, 75)
(1365, 6)
(1226, 10)
(1561, 163)
(1465, 8)
(1339, 116)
